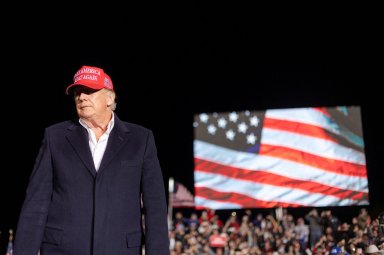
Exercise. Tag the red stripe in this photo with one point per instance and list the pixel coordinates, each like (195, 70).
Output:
(326, 164)
(298, 127)
(240, 199)
(264, 177)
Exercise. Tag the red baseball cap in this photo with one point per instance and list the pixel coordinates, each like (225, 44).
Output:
(91, 77)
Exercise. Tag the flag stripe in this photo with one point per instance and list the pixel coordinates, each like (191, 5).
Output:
(294, 127)
(278, 166)
(327, 164)
(311, 145)
(267, 192)
(234, 198)
(264, 177)
(315, 117)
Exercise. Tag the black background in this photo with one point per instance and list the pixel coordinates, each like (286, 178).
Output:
(171, 60)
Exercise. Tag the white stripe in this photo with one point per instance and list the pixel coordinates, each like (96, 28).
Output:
(254, 162)
(312, 145)
(301, 115)
(215, 204)
(266, 192)
(314, 117)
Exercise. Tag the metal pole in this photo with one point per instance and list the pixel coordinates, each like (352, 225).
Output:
(171, 188)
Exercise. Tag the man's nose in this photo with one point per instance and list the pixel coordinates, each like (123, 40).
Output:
(82, 96)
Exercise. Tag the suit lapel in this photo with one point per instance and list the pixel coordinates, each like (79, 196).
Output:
(116, 140)
(78, 138)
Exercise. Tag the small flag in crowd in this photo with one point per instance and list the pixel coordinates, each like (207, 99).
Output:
(181, 196)
(280, 158)
(10, 243)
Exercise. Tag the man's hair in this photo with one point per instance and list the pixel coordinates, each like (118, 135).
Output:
(114, 104)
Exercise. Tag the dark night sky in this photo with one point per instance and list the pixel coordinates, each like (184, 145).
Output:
(167, 65)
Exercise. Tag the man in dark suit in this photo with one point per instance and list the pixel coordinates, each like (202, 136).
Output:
(96, 187)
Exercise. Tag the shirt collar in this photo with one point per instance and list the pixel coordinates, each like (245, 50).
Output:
(110, 125)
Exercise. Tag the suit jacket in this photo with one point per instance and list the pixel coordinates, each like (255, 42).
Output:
(72, 209)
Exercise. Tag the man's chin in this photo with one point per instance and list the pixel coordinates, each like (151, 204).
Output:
(85, 114)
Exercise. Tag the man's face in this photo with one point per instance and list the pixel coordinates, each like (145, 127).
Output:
(91, 103)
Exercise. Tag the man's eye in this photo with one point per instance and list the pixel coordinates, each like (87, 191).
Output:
(86, 91)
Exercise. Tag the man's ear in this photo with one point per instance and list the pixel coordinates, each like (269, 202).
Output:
(110, 99)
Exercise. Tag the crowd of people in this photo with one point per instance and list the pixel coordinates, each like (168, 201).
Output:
(318, 232)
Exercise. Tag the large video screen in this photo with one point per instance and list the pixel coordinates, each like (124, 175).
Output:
(293, 157)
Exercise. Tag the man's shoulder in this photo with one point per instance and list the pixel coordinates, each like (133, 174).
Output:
(134, 127)
(130, 126)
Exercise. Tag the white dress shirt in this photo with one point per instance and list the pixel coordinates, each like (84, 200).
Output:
(98, 147)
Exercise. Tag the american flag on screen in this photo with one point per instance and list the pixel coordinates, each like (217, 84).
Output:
(280, 158)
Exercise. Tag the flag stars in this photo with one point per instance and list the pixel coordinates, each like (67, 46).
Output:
(204, 117)
(233, 116)
(242, 127)
(230, 134)
(212, 129)
(254, 121)
(222, 123)
(251, 138)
